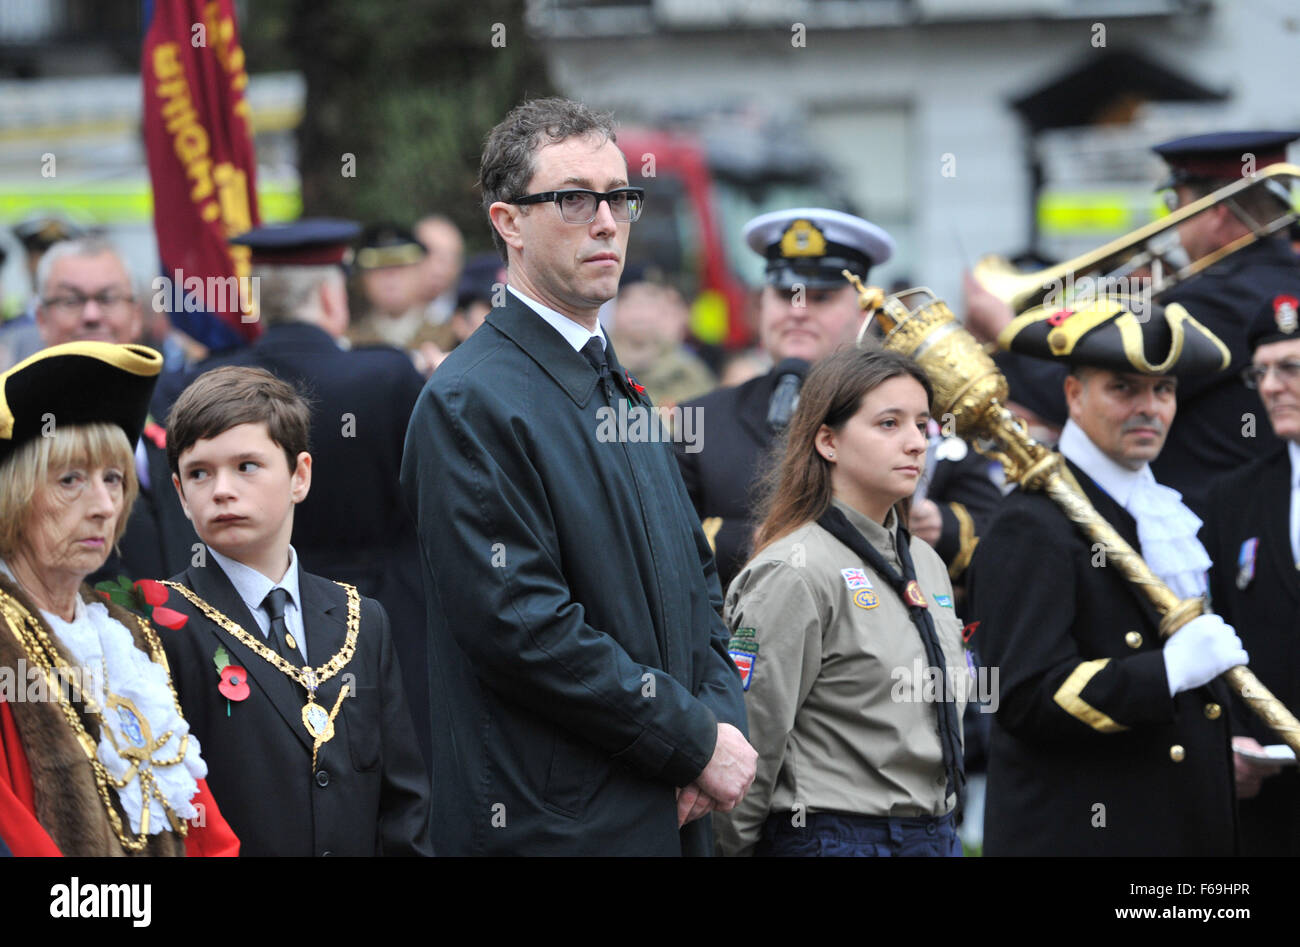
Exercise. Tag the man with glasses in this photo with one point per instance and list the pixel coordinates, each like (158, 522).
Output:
(1252, 532)
(86, 295)
(583, 698)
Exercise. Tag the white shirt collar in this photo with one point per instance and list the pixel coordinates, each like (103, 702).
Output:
(252, 586)
(575, 334)
(1293, 449)
(1119, 482)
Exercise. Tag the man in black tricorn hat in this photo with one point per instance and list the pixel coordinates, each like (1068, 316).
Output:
(1106, 741)
(1252, 532)
(1218, 427)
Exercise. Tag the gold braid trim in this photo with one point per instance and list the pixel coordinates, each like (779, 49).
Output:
(966, 540)
(1067, 696)
(711, 525)
(35, 640)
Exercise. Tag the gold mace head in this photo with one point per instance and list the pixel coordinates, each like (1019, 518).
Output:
(916, 323)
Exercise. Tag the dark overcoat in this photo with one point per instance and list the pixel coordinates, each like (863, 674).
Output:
(1089, 754)
(578, 663)
(1251, 509)
(369, 793)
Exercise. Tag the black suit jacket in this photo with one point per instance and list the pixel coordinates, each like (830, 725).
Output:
(723, 478)
(1085, 718)
(578, 660)
(369, 794)
(354, 525)
(1254, 506)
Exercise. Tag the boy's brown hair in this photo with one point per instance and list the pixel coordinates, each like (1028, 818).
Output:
(225, 397)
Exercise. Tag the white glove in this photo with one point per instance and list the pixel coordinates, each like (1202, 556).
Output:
(1200, 651)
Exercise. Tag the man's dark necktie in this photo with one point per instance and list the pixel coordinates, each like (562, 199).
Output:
(274, 603)
(837, 524)
(594, 353)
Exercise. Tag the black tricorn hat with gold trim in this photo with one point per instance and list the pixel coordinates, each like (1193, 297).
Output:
(1108, 333)
(77, 383)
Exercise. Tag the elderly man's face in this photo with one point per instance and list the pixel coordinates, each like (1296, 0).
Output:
(1126, 414)
(808, 325)
(1279, 389)
(73, 518)
(88, 298)
(572, 268)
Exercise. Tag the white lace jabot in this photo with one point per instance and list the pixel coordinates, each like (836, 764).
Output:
(1166, 527)
(111, 666)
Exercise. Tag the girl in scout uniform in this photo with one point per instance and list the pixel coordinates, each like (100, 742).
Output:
(843, 628)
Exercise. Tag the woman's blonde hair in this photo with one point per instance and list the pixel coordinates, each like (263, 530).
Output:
(95, 445)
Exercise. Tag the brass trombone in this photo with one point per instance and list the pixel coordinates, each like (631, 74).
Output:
(1146, 252)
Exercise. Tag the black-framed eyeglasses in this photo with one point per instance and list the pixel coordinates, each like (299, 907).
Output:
(74, 302)
(579, 206)
(1288, 370)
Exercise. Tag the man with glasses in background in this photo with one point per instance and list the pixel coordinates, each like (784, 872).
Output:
(1252, 533)
(583, 700)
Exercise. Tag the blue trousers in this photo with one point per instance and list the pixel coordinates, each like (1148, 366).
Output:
(830, 834)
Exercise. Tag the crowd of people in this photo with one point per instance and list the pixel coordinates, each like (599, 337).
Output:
(441, 579)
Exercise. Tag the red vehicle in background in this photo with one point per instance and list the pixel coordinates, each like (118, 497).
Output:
(703, 182)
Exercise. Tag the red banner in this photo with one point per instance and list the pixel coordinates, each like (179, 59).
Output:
(200, 148)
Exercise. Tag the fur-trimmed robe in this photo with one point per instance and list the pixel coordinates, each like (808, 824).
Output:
(68, 804)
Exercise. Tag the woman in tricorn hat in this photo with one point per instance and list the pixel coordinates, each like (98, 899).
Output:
(95, 756)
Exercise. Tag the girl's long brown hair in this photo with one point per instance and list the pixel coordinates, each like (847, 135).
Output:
(798, 489)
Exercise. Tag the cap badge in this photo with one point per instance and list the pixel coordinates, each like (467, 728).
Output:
(1285, 313)
(803, 239)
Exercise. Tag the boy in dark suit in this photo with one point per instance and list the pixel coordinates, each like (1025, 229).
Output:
(290, 680)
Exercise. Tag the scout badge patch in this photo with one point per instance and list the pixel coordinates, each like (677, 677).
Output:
(866, 598)
(943, 600)
(1246, 562)
(743, 649)
(912, 594)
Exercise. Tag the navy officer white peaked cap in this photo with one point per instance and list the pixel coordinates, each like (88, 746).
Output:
(811, 245)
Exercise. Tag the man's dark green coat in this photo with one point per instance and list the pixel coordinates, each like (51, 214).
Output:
(578, 665)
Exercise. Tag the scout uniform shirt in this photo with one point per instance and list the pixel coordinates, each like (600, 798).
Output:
(839, 696)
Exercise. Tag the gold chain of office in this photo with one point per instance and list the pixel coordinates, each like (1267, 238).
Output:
(36, 642)
(318, 722)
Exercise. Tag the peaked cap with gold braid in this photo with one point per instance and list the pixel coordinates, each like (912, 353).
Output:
(77, 383)
(1106, 333)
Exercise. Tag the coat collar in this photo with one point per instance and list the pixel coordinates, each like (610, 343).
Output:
(296, 337)
(545, 346)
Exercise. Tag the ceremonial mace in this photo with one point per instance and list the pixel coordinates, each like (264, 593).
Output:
(969, 387)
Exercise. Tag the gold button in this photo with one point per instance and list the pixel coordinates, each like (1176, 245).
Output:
(1213, 711)
(1176, 753)
(288, 639)
(1133, 639)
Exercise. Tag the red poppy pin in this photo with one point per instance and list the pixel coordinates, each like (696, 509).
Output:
(632, 383)
(156, 433)
(234, 679)
(144, 597)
